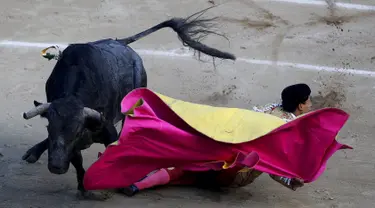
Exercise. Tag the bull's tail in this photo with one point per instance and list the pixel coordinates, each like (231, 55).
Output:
(190, 31)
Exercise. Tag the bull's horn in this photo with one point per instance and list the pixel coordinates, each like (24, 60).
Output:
(36, 111)
(92, 113)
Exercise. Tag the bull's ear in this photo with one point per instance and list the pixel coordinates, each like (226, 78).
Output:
(105, 133)
(93, 124)
(36, 104)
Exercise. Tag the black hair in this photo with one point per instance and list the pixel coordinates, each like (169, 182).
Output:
(294, 95)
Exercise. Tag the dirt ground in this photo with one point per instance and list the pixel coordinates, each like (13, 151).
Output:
(264, 30)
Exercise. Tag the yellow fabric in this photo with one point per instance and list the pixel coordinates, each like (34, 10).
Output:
(114, 143)
(229, 125)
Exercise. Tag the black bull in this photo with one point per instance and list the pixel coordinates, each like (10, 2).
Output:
(86, 87)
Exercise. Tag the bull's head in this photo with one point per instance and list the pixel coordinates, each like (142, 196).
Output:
(69, 122)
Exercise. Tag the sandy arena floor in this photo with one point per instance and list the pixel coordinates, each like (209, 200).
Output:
(291, 33)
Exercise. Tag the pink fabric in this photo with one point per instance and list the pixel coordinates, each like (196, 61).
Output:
(156, 137)
(160, 177)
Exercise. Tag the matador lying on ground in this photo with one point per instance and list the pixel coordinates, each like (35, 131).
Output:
(169, 141)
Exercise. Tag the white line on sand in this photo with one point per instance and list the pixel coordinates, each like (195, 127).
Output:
(323, 3)
(173, 54)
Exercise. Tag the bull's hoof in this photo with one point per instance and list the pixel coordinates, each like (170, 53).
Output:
(88, 195)
(31, 156)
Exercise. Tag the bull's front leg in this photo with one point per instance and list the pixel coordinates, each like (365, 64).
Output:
(77, 162)
(33, 154)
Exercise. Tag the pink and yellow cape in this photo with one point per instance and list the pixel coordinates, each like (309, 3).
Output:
(161, 132)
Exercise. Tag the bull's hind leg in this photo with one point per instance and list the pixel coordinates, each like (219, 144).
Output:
(77, 162)
(33, 154)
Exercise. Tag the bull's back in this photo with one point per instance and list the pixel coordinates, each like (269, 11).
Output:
(128, 64)
(100, 73)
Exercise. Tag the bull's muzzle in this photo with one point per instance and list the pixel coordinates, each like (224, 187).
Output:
(57, 168)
